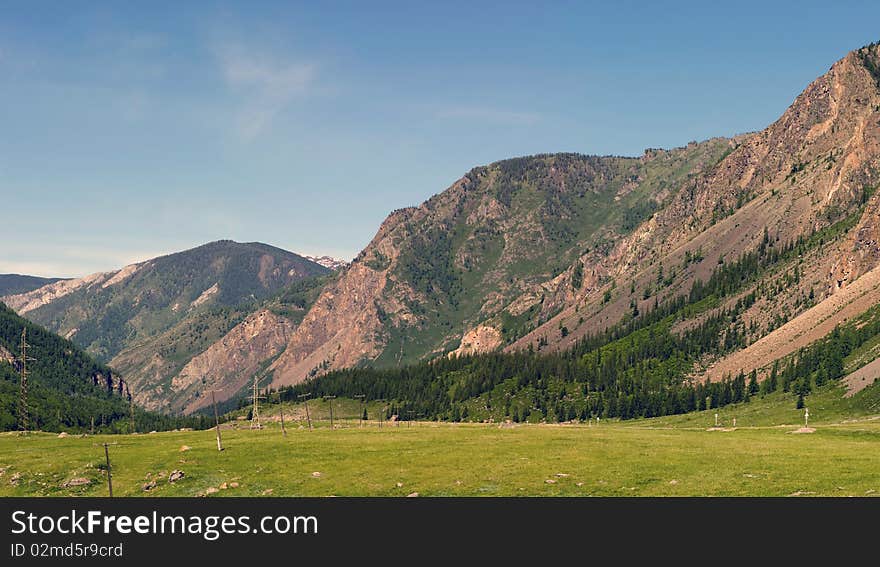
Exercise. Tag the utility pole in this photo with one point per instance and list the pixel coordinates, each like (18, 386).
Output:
(92, 428)
(281, 409)
(130, 409)
(109, 475)
(308, 416)
(23, 416)
(216, 421)
(363, 398)
(330, 400)
(380, 417)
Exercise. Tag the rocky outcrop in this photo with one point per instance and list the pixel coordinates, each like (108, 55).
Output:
(343, 326)
(478, 340)
(6, 356)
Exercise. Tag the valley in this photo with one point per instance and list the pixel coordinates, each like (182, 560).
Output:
(674, 456)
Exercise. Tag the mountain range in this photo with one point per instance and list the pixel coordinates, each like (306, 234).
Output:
(537, 253)
(542, 251)
(150, 320)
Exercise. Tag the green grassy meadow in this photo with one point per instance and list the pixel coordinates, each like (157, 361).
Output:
(670, 456)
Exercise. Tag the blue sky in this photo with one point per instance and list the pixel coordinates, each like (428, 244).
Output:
(129, 130)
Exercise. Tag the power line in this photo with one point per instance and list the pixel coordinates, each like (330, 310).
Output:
(23, 415)
(217, 420)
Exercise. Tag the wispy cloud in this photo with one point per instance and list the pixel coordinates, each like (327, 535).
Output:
(266, 85)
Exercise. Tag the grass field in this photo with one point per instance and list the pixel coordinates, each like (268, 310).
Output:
(676, 455)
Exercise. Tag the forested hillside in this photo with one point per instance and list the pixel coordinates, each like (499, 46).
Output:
(638, 368)
(67, 388)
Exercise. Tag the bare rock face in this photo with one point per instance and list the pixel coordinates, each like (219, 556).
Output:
(478, 340)
(342, 326)
(230, 363)
(815, 165)
(6, 356)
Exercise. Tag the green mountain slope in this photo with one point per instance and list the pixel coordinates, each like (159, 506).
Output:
(107, 313)
(67, 388)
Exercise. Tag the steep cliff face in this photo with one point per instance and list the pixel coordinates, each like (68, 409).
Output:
(229, 364)
(503, 232)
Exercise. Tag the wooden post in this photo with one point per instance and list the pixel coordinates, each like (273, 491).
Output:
(216, 421)
(363, 398)
(380, 416)
(281, 409)
(109, 475)
(305, 397)
(92, 429)
(130, 410)
(330, 400)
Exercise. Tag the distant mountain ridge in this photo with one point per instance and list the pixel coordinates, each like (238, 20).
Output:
(328, 262)
(12, 284)
(148, 320)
